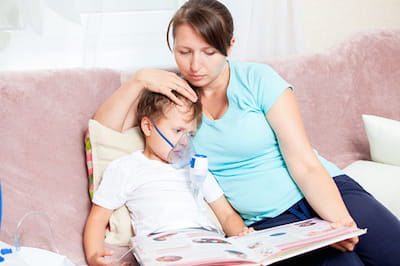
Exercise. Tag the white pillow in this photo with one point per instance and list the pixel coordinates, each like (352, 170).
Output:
(384, 139)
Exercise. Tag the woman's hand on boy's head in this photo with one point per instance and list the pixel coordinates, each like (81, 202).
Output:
(164, 82)
(246, 230)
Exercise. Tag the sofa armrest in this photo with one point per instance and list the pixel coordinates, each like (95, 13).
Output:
(381, 180)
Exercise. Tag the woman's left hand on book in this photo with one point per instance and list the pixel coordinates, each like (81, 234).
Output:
(348, 244)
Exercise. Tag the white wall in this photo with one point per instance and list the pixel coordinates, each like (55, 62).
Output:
(133, 39)
(108, 37)
(327, 22)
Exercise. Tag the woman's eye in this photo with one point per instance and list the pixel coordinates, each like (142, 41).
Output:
(210, 53)
(184, 52)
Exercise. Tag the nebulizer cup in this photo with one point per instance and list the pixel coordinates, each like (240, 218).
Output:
(197, 173)
(182, 155)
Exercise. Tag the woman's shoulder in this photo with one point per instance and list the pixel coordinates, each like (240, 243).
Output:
(252, 68)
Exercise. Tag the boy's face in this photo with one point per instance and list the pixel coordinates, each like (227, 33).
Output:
(173, 125)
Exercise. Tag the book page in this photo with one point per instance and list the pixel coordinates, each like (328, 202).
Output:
(281, 242)
(201, 247)
(190, 247)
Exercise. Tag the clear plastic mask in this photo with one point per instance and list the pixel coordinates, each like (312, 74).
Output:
(181, 153)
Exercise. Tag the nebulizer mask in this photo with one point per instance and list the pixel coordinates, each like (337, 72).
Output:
(181, 155)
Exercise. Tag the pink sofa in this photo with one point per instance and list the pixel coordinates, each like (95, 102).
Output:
(44, 116)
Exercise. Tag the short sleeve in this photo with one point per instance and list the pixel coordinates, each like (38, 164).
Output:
(111, 193)
(269, 85)
(211, 190)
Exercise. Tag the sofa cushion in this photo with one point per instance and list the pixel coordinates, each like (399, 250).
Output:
(44, 116)
(384, 139)
(106, 146)
(335, 87)
(381, 180)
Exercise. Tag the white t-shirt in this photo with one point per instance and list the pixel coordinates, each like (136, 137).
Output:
(157, 195)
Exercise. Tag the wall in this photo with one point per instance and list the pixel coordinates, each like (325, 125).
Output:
(127, 37)
(107, 40)
(327, 22)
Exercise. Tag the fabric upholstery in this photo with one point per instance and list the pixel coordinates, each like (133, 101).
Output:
(357, 76)
(45, 113)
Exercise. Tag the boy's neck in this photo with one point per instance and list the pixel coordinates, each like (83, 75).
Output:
(151, 156)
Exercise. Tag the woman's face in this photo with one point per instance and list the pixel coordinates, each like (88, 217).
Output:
(199, 62)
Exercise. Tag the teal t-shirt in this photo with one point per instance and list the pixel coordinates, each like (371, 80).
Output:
(243, 151)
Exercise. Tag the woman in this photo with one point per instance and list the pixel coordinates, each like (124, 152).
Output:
(254, 136)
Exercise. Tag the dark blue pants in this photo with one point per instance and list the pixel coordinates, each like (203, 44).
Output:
(380, 246)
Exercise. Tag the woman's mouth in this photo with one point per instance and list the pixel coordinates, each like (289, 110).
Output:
(196, 77)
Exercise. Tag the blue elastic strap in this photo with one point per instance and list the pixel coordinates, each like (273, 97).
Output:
(161, 134)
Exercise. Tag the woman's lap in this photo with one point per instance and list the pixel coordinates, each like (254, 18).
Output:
(378, 247)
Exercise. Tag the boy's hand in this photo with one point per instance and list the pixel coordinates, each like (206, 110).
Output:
(100, 258)
(246, 230)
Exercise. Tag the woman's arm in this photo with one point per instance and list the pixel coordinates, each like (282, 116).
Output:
(314, 181)
(118, 112)
(93, 236)
(231, 222)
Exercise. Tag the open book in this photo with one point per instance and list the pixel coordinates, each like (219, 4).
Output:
(200, 247)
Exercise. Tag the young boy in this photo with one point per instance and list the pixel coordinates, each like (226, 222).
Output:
(157, 195)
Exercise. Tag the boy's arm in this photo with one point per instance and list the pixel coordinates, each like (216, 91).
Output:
(231, 222)
(93, 237)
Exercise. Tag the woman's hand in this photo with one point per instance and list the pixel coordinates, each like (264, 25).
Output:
(347, 244)
(165, 82)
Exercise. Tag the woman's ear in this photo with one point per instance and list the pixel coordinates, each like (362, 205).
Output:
(233, 40)
(146, 126)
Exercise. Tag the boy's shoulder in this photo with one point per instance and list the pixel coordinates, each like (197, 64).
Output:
(127, 160)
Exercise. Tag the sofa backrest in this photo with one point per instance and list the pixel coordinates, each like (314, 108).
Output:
(44, 115)
(358, 76)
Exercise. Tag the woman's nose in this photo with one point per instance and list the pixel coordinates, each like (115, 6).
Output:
(195, 63)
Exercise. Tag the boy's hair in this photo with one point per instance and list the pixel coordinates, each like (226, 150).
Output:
(154, 106)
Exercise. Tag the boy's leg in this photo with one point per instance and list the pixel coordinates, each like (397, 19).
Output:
(380, 245)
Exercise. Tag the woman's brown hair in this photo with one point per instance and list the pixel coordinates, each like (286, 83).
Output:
(210, 18)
